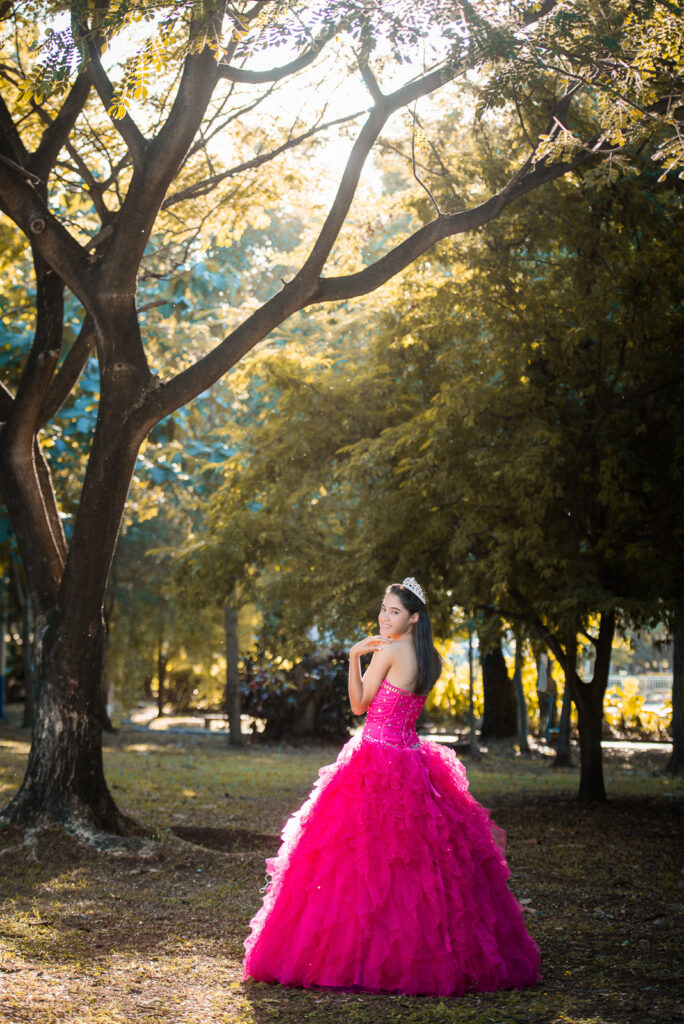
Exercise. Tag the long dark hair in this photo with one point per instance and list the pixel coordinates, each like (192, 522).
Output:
(429, 660)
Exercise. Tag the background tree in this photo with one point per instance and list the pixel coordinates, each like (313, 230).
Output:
(129, 152)
(525, 412)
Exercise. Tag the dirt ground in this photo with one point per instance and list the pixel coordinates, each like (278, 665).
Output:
(89, 937)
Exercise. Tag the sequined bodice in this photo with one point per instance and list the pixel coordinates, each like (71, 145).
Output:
(392, 717)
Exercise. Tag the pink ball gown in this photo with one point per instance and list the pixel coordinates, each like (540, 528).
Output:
(390, 877)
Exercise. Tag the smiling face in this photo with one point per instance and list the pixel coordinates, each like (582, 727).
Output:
(394, 620)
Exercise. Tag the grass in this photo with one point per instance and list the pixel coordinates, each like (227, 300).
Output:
(87, 937)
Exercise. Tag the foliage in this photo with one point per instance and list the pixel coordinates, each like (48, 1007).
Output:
(626, 715)
(307, 700)
(520, 401)
(448, 701)
(119, 178)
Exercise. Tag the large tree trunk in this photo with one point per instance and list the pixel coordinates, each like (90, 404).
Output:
(500, 717)
(588, 699)
(64, 778)
(676, 763)
(233, 696)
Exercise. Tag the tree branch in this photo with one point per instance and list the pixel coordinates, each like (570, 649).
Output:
(94, 188)
(234, 74)
(307, 288)
(202, 187)
(364, 143)
(134, 139)
(50, 503)
(296, 294)
(39, 367)
(12, 139)
(164, 155)
(56, 134)
(6, 402)
(31, 214)
(29, 175)
(68, 373)
(333, 289)
(370, 81)
(24, 474)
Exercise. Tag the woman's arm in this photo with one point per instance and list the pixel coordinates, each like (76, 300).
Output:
(362, 689)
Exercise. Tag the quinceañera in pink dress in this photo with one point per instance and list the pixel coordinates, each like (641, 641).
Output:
(391, 877)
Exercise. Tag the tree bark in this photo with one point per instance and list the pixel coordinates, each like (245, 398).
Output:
(64, 779)
(500, 718)
(233, 696)
(588, 699)
(27, 658)
(3, 644)
(675, 766)
(563, 757)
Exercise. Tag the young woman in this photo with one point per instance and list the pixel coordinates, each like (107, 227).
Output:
(390, 877)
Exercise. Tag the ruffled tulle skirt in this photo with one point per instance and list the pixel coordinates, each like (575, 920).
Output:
(390, 877)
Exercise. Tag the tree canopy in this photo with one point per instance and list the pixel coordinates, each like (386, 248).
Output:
(143, 144)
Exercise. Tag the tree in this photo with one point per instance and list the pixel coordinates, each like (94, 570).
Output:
(132, 156)
(525, 412)
(500, 718)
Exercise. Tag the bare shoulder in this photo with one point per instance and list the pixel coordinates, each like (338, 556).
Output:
(403, 668)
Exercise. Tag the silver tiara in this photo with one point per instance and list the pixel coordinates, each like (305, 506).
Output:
(414, 586)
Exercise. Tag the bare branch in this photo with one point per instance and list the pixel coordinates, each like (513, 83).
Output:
(367, 136)
(219, 125)
(298, 292)
(522, 182)
(199, 188)
(333, 289)
(165, 154)
(94, 188)
(414, 168)
(56, 134)
(234, 74)
(523, 126)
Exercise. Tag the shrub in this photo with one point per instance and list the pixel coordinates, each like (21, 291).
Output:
(308, 701)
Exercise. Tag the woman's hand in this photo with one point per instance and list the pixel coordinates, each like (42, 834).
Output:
(362, 690)
(370, 644)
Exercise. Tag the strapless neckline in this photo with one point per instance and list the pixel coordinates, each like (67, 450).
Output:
(400, 689)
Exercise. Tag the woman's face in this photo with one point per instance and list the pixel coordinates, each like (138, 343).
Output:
(394, 620)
